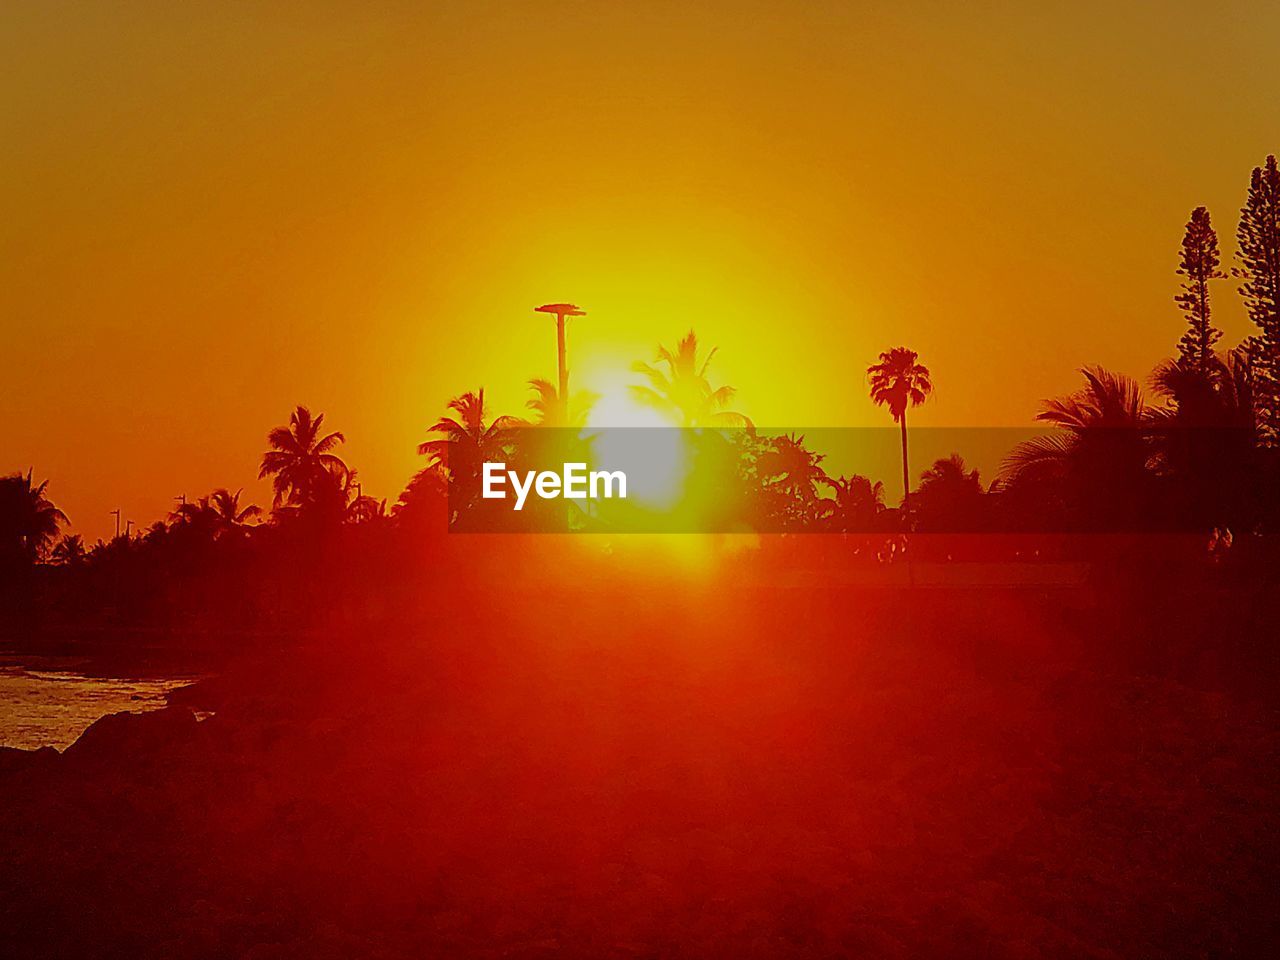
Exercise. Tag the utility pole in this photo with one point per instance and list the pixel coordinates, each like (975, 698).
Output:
(561, 311)
(116, 512)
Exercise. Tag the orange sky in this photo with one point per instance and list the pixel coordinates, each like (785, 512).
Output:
(213, 215)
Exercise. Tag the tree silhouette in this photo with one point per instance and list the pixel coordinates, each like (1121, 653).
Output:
(195, 519)
(899, 381)
(1258, 253)
(855, 504)
(466, 441)
(1095, 469)
(355, 505)
(791, 474)
(1199, 265)
(424, 502)
(69, 551)
(682, 391)
(28, 519)
(1205, 439)
(551, 411)
(949, 498)
(465, 444)
(301, 462)
(217, 514)
(231, 515)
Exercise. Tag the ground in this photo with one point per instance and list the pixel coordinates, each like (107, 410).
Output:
(695, 773)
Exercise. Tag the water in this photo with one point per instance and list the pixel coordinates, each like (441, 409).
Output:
(48, 704)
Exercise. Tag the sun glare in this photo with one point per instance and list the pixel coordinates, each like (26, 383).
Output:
(641, 442)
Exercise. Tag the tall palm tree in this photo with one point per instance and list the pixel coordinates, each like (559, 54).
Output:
(683, 392)
(899, 381)
(28, 519)
(301, 459)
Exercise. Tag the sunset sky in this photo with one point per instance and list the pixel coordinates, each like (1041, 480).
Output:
(212, 214)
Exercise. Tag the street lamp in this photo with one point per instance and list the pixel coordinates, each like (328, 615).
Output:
(562, 310)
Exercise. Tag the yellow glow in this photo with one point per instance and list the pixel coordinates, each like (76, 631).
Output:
(359, 210)
(655, 467)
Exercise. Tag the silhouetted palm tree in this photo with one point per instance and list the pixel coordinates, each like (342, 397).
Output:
(357, 506)
(28, 519)
(465, 444)
(195, 517)
(789, 474)
(950, 497)
(899, 381)
(232, 516)
(1096, 467)
(546, 403)
(683, 391)
(793, 468)
(467, 441)
(301, 461)
(69, 551)
(855, 505)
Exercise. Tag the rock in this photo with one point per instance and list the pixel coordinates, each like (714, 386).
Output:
(14, 761)
(134, 738)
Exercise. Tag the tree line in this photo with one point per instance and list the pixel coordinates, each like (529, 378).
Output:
(1202, 454)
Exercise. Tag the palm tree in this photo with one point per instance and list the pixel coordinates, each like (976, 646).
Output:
(301, 460)
(465, 444)
(231, 516)
(950, 497)
(551, 411)
(1095, 467)
(356, 505)
(69, 551)
(899, 381)
(856, 503)
(195, 518)
(28, 519)
(794, 468)
(210, 518)
(467, 441)
(227, 505)
(683, 391)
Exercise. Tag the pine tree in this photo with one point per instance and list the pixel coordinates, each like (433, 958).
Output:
(1199, 265)
(1258, 238)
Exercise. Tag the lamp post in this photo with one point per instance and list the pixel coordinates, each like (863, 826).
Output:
(562, 310)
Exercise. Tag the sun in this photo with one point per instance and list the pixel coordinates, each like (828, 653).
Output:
(642, 443)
